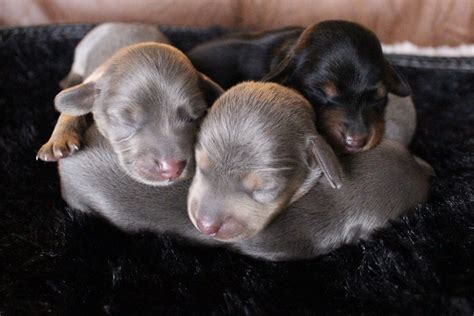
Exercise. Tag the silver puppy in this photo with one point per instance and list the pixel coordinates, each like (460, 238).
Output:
(147, 100)
(258, 151)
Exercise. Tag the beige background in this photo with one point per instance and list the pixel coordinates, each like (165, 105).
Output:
(423, 22)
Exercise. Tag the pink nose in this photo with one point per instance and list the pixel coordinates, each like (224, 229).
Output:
(172, 169)
(226, 229)
(355, 141)
(208, 228)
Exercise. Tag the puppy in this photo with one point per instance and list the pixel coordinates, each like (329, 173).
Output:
(337, 65)
(258, 152)
(147, 100)
(93, 50)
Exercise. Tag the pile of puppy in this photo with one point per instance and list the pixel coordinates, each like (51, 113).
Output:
(304, 151)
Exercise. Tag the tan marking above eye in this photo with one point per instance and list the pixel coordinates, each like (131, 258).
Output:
(330, 89)
(381, 91)
(251, 181)
(202, 160)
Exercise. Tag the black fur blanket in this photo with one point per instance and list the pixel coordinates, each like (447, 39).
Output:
(54, 260)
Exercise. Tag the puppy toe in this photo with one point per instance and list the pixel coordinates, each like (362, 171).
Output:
(60, 150)
(73, 145)
(45, 153)
(58, 147)
(65, 147)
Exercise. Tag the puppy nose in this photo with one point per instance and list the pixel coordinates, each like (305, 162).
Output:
(225, 229)
(208, 227)
(355, 141)
(172, 169)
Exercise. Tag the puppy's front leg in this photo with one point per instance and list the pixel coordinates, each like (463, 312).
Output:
(65, 139)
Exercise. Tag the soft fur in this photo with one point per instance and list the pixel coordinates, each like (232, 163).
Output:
(56, 261)
(337, 65)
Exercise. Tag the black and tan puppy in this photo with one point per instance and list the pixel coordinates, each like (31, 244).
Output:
(338, 66)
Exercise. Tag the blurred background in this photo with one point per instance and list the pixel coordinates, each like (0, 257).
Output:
(422, 22)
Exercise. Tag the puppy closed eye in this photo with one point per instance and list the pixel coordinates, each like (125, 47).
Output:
(379, 94)
(127, 116)
(378, 101)
(264, 195)
(262, 189)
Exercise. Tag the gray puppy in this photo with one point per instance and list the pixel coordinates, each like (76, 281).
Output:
(251, 167)
(258, 151)
(97, 46)
(147, 99)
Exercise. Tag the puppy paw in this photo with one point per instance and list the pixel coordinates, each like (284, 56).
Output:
(59, 147)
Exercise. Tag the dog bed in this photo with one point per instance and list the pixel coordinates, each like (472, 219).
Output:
(58, 261)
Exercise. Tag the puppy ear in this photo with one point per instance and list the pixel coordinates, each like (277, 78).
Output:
(77, 100)
(210, 89)
(395, 82)
(327, 160)
(281, 72)
(71, 80)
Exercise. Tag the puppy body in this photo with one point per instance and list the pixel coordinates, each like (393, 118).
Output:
(317, 222)
(325, 218)
(147, 98)
(97, 47)
(337, 65)
(244, 56)
(102, 42)
(93, 181)
(400, 119)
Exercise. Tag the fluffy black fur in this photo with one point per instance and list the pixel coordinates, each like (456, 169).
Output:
(337, 65)
(54, 260)
(237, 57)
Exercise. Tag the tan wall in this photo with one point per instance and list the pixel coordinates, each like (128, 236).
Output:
(423, 22)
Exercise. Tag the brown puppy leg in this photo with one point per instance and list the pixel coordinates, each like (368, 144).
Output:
(65, 139)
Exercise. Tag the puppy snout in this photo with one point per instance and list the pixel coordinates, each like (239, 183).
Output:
(172, 169)
(222, 229)
(355, 141)
(208, 227)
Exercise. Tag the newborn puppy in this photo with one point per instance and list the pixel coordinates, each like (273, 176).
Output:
(147, 101)
(269, 155)
(92, 51)
(102, 42)
(258, 152)
(338, 66)
(243, 56)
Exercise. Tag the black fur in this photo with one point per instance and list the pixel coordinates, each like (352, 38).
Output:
(243, 56)
(53, 260)
(342, 55)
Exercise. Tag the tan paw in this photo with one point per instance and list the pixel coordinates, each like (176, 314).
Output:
(59, 147)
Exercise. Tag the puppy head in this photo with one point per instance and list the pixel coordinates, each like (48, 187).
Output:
(255, 152)
(339, 66)
(147, 100)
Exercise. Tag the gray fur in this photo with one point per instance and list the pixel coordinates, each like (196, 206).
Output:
(400, 119)
(325, 219)
(266, 128)
(147, 100)
(92, 181)
(105, 40)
